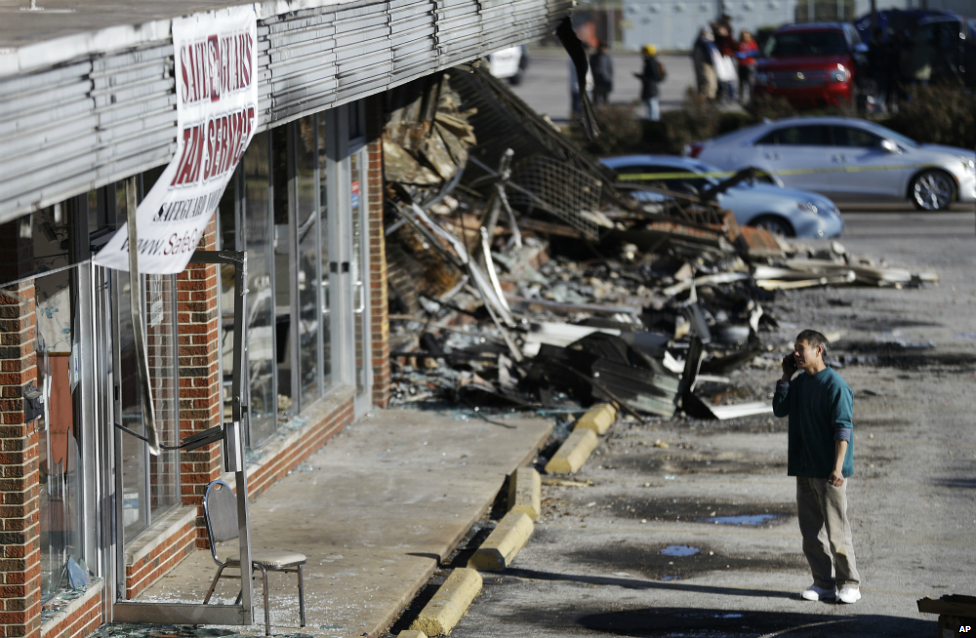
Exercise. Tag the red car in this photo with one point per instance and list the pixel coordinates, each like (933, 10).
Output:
(813, 64)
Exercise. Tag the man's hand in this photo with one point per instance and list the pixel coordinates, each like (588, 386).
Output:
(789, 367)
(836, 478)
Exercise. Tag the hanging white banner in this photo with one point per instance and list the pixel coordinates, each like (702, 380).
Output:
(216, 107)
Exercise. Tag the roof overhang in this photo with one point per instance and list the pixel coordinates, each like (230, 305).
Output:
(85, 102)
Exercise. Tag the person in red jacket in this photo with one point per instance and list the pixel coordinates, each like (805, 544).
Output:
(747, 54)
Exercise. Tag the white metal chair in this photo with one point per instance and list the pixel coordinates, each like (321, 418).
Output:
(220, 512)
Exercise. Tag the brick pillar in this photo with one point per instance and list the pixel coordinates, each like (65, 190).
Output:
(379, 304)
(199, 353)
(20, 551)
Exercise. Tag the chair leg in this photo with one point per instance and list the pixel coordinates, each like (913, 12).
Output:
(213, 585)
(267, 605)
(301, 595)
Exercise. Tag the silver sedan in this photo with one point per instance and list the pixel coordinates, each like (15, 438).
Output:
(847, 159)
(786, 211)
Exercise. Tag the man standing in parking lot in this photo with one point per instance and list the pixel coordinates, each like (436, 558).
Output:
(820, 406)
(601, 66)
(650, 76)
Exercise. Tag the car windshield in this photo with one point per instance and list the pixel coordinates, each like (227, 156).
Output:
(798, 44)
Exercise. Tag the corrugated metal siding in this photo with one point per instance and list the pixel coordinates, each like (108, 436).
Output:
(76, 127)
(67, 130)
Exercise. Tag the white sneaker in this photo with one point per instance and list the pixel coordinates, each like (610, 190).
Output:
(816, 593)
(849, 595)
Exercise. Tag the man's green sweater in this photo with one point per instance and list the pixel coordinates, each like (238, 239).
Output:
(821, 411)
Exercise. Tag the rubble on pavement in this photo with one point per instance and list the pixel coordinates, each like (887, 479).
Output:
(526, 279)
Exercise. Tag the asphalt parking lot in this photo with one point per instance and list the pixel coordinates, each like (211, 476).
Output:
(687, 528)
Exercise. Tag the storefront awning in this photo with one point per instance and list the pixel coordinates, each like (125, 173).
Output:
(83, 103)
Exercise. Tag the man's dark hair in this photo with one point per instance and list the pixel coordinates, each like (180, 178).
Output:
(815, 339)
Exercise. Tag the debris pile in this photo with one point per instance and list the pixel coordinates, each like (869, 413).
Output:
(535, 282)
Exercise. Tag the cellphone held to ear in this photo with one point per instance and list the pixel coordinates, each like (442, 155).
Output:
(789, 364)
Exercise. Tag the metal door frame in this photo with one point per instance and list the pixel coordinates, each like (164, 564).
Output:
(364, 402)
(232, 435)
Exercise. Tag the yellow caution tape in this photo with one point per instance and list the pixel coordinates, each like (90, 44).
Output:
(649, 177)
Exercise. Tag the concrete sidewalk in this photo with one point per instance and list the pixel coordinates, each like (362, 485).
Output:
(374, 510)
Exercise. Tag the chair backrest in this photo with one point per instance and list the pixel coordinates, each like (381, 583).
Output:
(220, 513)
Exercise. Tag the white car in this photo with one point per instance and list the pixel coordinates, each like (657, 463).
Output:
(785, 211)
(508, 64)
(847, 159)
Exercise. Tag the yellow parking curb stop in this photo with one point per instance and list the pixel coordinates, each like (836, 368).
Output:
(449, 604)
(573, 452)
(500, 548)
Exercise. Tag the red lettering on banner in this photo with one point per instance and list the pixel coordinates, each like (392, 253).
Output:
(213, 67)
(188, 170)
(185, 64)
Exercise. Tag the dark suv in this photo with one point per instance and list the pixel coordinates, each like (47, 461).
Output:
(813, 64)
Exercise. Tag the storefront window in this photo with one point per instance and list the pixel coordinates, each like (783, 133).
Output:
(324, 243)
(228, 232)
(59, 425)
(258, 235)
(308, 261)
(164, 469)
(150, 484)
(40, 243)
(283, 271)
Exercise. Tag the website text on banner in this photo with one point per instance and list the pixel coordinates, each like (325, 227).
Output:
(216, 106)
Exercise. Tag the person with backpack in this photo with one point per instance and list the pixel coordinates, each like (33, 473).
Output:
(652, 74)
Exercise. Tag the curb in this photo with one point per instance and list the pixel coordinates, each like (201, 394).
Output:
(449, 604)
(598, 419)
(525, 492)
(573, 452)
(503, 544)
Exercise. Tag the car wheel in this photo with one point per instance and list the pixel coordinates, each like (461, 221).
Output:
(774, 224)
(516, 79)
(931, 190)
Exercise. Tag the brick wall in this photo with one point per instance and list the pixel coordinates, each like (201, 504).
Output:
(199, 352)
(144, 571)
(379, 306)
(80, 622)
(20, 553)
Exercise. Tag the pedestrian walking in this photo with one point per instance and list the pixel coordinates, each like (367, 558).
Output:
(820, 406)
(703, 54)
(725, 68)
(747, 53)
(652, 74)
(601, 65)
(575, 102)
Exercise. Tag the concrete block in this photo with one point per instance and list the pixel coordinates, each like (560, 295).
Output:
(599, 418)
(499, 549)
(410, 633)
(449, 604)
(525, 492)
(573, 452)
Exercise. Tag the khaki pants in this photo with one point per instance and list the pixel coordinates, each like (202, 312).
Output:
(709, 86)
(827, 542)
